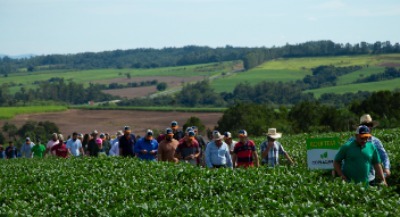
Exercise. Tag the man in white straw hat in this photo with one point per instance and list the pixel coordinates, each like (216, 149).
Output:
(271, 149)
(366, 120)
(217, 152)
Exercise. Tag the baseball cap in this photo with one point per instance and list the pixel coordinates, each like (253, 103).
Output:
(363, 131)
(149, 132)
(174, 123)
(228, 135)
(243, 132)
(95, 132)
(127, 129)
(191, 133)
(28, 139)
(169, 131)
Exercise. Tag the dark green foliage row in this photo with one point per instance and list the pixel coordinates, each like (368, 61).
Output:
(56, 90)
(38, 131)
(128, 187)
(323, 76)
(188, 55)
(312, 116)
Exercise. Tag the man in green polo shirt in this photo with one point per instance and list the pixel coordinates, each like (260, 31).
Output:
(359, 155)
(38, 150)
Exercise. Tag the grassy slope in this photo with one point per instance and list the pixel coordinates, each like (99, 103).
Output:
(296, 68)
(371, 86)
(98, 75)
(10, 112)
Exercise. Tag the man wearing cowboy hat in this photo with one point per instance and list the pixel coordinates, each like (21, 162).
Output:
(359, 156)
(271, 149)
(366, 120)
(245, 154)
(217, 152)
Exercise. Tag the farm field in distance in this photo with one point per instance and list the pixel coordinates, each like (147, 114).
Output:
(173, 76)
(292, 69)
(85, 121)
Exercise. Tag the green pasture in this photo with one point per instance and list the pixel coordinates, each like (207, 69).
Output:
(362, 73)
(26, 79)
(10, 112)
(291, 69)
(371, 86)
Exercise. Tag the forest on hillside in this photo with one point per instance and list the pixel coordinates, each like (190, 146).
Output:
(188, 55)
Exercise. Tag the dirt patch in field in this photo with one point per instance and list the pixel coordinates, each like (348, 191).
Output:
(131, 93)
(84, 121)
(390, 64)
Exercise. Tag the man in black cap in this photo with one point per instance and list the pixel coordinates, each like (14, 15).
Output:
(178, 134)
(126, 143)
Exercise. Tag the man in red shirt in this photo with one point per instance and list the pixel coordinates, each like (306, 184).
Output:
(60, 150)
(244, 153)
(188, 149)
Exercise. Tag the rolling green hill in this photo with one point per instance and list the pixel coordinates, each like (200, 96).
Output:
(371, 86)
(284, 70)
(25, 79)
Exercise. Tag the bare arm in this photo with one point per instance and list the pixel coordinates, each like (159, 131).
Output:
(288, 158)
(379, 172)
(338, 168)
(234, 158)
(255, 156)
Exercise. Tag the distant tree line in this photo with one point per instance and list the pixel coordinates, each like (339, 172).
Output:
(56, 90)
(188, 55)
(323, 76)
(37, 131)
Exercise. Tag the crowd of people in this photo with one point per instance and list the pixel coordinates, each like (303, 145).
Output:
(359, 160)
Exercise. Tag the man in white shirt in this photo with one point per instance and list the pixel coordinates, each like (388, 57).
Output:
(229, 141)
(74, 145)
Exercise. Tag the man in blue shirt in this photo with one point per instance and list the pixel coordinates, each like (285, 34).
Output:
(146, 147)
(26, 148)
(11, 151)
(366, 120)
(217, 152)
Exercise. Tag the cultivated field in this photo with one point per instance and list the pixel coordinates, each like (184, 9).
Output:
(292, 69)
(113, 186)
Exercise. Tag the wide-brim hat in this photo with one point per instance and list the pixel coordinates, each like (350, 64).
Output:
(272, 133)
(217, 136)
(366, 119)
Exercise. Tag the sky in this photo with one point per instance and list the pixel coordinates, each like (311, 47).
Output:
(74, 26)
